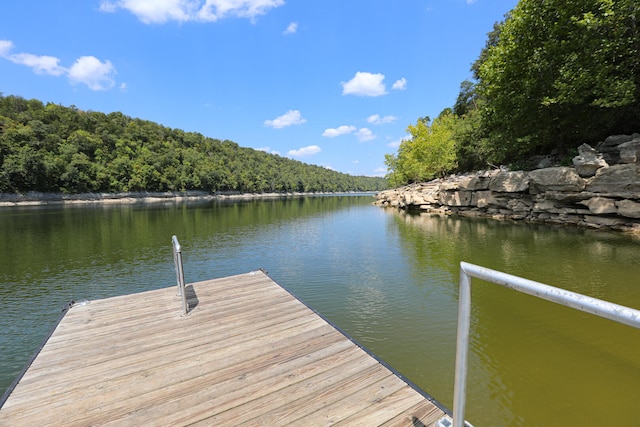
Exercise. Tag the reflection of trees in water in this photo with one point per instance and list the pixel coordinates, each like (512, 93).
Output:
(527, 352)
(593, 262)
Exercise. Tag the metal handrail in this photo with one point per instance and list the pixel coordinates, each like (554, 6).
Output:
(177, 261)
(608, 310)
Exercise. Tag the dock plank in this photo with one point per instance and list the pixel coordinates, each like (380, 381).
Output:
(249, 353)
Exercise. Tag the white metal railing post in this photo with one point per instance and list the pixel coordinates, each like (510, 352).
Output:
(177, 260)
(462, 349)
(608, 310)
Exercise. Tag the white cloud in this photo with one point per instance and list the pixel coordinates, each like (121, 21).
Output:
(365, 134)
(400, 84)
(5, 47)
(341, 130)
(305, 151)
(291, 29)
(365, 84)
(397, 142)
(290, 118)
(377, 120)
(40, 64)
(152, 11)
(268, 150)
(161, 11)
(381, 171)
(90, 71)
(87, 70)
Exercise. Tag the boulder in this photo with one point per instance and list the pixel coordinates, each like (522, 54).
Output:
(612, 142)
(475, 183)
(588, 161)
(628, 208)
(630, 151)
(509, 182)
(616, 179)
(555, 179)
(600, 205)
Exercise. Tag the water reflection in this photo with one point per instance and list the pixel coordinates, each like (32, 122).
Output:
(528, 354)
(387, 278)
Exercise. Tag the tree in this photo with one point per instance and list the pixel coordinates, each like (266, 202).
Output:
(561, 73)
(429, 153)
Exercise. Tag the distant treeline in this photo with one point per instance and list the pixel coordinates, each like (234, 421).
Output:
(52, 148)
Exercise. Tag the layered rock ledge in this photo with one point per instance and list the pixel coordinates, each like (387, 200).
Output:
(590, 194)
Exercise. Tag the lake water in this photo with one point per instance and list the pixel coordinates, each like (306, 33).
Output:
(388, 279)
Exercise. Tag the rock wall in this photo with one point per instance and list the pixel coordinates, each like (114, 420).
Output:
(601, 190)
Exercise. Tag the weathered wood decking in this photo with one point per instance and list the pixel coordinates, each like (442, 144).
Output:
(248, 354)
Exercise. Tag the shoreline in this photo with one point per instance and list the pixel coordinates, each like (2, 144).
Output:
(57, 199)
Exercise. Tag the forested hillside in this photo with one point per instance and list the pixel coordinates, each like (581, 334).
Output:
(51, 148)
(553, 75)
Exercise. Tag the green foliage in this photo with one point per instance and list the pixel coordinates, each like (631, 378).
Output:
(429, 153)
(557, 74)
(52, 148)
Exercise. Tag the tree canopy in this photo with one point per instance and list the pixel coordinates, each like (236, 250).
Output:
(552, 76)
(561, 73)
(51, 148)
(428, 153)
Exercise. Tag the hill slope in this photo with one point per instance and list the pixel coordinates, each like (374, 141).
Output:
(51, 148)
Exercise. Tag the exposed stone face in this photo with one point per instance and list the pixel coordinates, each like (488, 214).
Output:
(555, 179)
(608, 199)
(509, 182)
(475, 183)
(601, 205)
(455, 198)
(616, 178)
(628, 208)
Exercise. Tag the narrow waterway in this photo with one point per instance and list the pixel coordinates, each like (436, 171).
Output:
(388, 279)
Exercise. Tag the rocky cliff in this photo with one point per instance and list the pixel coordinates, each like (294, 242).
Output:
(601, 190)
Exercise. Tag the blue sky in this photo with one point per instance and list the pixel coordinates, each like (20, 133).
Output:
(333, 83)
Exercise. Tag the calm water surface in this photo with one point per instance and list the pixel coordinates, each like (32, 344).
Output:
(388, 279)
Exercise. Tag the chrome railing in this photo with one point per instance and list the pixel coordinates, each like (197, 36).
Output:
(177, 261)
(608, 310)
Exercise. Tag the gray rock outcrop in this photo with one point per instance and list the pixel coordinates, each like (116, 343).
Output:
(595, 193)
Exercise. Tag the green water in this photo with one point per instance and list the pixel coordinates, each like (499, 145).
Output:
(388, 279)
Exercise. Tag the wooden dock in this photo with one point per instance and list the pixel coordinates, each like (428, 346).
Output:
(248, 354)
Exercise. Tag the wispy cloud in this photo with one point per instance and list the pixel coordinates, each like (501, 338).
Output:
(305, 151)
(365, 134)
(400, 84)
(396, 143)
(365, 84)
(87, 70)
(377, 120)
(340, 130)
(268, 150)
(160, 12)
(291, 29)
(290, 118)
